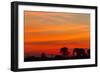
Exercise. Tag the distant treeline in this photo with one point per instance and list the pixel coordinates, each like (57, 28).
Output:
(77, 53)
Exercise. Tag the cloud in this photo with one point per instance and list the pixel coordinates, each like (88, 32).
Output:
(56, 18)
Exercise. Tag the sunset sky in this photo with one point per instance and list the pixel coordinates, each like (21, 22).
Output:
(47, 32)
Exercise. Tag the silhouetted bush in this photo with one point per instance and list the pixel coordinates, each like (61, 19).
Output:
(77, 53)
(64, 51)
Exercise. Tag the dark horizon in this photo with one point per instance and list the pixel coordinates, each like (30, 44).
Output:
(64, 54)
(47, 32)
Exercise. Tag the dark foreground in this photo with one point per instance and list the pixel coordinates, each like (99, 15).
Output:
(78, 53)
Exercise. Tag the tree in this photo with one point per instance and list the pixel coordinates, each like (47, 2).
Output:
(79, 53)
(43, 56)
(64, 51)
(88, 53)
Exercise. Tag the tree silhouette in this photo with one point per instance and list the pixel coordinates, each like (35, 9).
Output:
(79, 53)
(43, 56)
(64, 51)
(82, 51)
(76, 52)
(88, 53)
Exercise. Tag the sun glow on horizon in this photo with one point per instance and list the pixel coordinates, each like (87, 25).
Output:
(49, 31)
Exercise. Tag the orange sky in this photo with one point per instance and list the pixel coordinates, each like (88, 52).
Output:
(48, 32)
